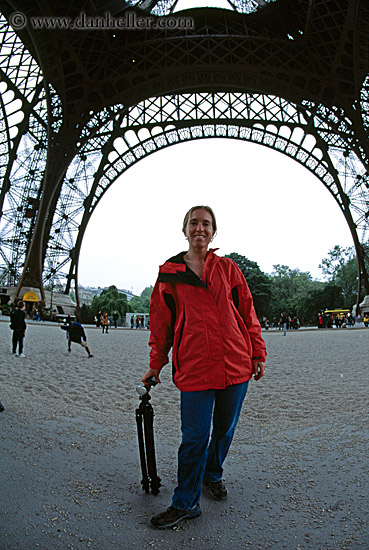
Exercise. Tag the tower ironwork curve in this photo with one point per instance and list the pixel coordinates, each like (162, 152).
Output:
(83, 98)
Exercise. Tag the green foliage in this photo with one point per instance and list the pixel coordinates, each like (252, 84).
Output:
(336, 260)
(290, 289)
(111, 300)
(340, 268)
(285, 290)
(258, 282)
(5, 309)
(322, 296)
(87, 315)
(295, 293)
(140, 304)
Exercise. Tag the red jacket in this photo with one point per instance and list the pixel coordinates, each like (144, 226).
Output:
(211, 324)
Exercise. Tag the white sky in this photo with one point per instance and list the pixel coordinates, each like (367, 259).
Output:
(268, 208)
(186, 4)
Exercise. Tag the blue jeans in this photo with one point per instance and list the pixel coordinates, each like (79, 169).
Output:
(197, 458)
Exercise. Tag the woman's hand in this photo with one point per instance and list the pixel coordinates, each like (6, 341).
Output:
(149, 374)
(258, 369)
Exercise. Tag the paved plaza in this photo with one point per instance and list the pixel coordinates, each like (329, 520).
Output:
(297, 471)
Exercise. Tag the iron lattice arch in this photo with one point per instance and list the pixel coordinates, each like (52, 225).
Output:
(168, 7)
(164, 121)
(74, 168)
(130, 135)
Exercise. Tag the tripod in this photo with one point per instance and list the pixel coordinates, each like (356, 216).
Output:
(145, 433)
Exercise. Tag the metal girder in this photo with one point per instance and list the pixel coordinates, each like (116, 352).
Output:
(292, 76)
(270, 121)
(23, 151)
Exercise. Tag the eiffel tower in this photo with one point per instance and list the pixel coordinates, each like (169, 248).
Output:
(88, 89)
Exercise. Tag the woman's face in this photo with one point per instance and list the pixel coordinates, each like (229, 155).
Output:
(199, 228)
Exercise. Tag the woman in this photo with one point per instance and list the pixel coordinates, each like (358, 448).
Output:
(105, 323)
(202, 307)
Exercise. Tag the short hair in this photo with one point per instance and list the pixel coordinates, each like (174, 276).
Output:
(188, 214)
(20, 304)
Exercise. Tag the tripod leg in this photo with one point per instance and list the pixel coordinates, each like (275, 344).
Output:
(148, 419)
(141, 446)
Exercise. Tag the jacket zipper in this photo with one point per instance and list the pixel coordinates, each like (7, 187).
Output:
(180, 340)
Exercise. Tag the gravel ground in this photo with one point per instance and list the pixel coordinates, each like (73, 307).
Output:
(297, 471)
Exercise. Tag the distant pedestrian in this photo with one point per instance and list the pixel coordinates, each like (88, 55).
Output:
(105, 323)
(18, 326)
(98, 319)
(284, 323)
(132, 321)
(76, 333)
(115, 319)
(320, 321)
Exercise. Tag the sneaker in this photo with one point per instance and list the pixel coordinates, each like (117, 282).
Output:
(21, 355)
(217, 489)
(172, 516)
(14, 354)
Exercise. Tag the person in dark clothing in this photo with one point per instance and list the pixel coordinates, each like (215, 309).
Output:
(98, 319)
(18, 326)
(284, 323)
(115, 319)
(76, 333)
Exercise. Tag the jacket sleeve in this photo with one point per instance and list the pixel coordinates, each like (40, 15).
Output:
(245, 305)
(161, 326)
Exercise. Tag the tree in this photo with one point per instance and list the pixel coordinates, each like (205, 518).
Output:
(87, 315)
(340, 268)
(111, 300)
(336, 259)
(258, 282)
(290, 290)
(322, 296)
(140, 304)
